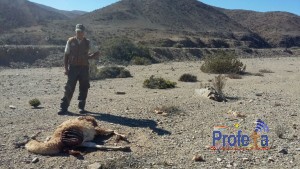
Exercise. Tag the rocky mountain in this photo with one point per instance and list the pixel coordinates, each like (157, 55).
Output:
(155, 23)
(280, 29)
(171, 23)
(69, 14)
(22, 13)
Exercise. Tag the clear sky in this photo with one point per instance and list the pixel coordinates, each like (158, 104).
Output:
(292, 6)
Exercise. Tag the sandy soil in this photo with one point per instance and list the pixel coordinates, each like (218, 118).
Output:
(157, 141)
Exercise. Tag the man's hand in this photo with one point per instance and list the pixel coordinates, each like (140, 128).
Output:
(94, 55)
(66, 72)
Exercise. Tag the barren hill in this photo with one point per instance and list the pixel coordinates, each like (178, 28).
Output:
(22, 13)
(280, 29)
(168, 23)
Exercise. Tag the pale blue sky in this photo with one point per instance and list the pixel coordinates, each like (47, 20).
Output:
(292, 6)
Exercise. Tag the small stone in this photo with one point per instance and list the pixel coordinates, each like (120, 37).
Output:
(245, 159)
(283, 151)
(228, 166)
(250, 101)
(120, 93)
(35, 160)
(95, 166)
(12, 107)
(198, 158)
(219, 159)
(270, 159)
(295, 126)
(297, 149)
(258, 94)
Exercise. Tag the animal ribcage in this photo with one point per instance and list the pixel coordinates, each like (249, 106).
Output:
(72, 137)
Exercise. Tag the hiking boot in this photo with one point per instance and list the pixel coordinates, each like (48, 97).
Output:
(82, 111)
(62, 112)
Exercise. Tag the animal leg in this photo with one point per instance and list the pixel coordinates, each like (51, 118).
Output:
(101, 131)
(102, 147)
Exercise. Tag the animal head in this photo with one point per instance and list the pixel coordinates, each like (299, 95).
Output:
(90, 119)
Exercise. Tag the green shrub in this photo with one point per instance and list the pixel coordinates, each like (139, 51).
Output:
(223, 62)
(140, 61)
(113, 72)
(158, 83)
(188, 78)
(34, 103)
(123, 50)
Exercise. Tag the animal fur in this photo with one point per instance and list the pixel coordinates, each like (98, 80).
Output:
(86, 125)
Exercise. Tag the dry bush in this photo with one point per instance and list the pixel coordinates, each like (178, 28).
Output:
(34, 103)
(111, 72)
(188, 78)
(219, 83)
(158, 83)
(222, 63)
(265, 71)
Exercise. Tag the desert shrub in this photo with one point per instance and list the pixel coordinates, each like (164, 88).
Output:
(223, 62)
(188, 78)
(140, 61)
(34, 103)
(234, 76)
(158, 83)
(219, 83)
(123, 50)
(265, 71)
(113, 72)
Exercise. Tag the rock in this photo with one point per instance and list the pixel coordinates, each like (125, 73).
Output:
(228, 166)
(120, 93)
(95, 166)
(203, 92)
(297, 149)
(245, 159)
(12, 107)
(198, 158)
(258, 94)
(210, 93)
(219, 159)
(283, 151)
(270, 159)
(295, 126)
(35, 160)
(236, 114)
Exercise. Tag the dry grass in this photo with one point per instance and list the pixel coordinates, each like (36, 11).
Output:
(219, 83)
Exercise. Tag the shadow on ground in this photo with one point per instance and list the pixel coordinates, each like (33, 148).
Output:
(130, 122)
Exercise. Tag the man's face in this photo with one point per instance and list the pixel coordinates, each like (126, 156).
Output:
(79, 34)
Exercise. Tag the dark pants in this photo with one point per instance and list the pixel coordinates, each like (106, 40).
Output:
(81, 74)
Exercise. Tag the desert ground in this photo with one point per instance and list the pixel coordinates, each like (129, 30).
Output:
(157, 141)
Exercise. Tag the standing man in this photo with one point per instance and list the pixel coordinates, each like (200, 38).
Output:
(77, 53)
